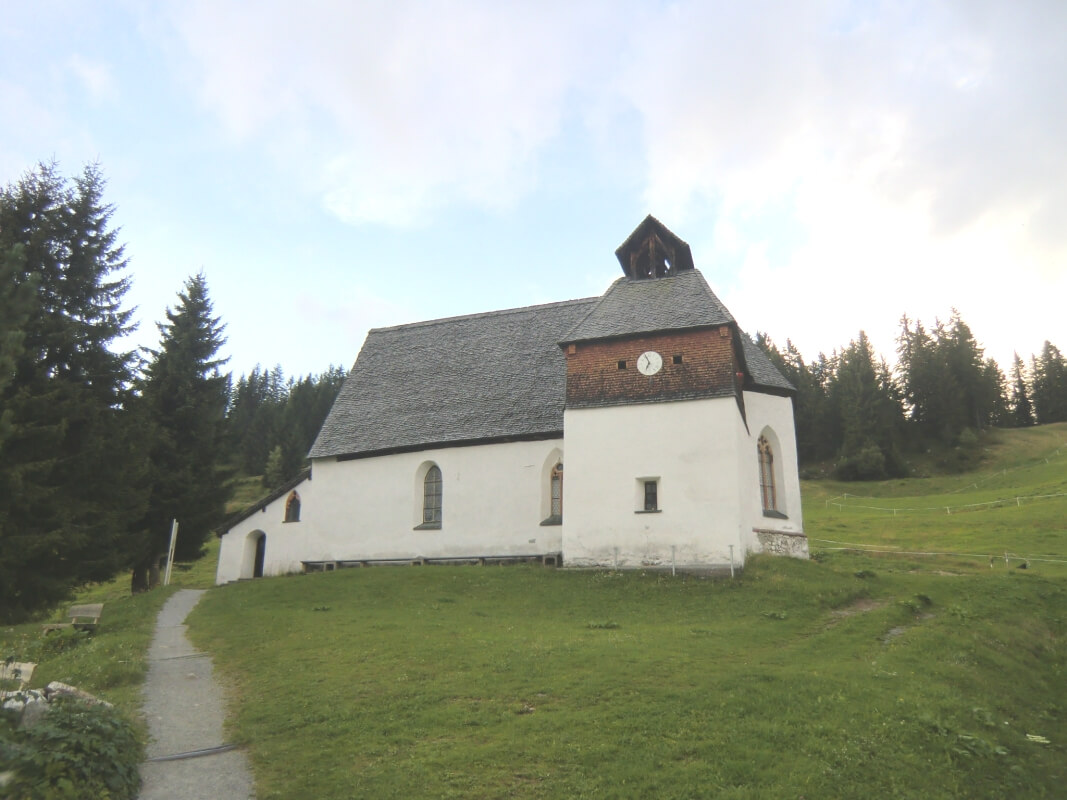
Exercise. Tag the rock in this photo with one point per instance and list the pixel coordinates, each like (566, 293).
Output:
(55, 688)
(34, 712)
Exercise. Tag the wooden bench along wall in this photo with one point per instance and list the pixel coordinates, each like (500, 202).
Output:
(83, 618)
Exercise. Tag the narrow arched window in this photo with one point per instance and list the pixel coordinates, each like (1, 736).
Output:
(431, 496)
(768, 495)
(557, 490)
(292, 507)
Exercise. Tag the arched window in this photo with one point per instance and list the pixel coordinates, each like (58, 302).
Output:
(431, 496)
(768, 495)
(292, 507)
(556, 491)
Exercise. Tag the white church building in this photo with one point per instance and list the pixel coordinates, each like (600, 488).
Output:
(639, 429)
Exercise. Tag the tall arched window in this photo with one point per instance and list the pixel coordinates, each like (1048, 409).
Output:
(431, 496)
(768, 495)
(556, 488)
(292, 507)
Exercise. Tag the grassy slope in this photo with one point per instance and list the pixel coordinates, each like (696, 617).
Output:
(854, 675)
(111, 662)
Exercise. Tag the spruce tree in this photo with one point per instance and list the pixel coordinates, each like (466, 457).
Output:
(1049, 393)
(1022, 412)
(809, 406)
(274, 475)
(948, 386)
(18, 301)
(995, 395)
(69, 489)
(867, 402)
(183, 401)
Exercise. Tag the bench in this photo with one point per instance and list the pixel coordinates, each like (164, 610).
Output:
(15, 671)
(83, 618)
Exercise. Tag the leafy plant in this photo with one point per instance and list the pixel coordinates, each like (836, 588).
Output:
(75, 751)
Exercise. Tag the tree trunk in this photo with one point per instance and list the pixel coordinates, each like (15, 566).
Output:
(153, 574)
(145, 575)
(139, 578)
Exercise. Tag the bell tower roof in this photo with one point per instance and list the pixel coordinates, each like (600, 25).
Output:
(653, 251)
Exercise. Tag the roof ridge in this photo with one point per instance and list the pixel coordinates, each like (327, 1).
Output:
(482, 315)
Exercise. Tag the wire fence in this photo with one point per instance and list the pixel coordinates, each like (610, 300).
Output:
(891, 550)
(1002, 502)
(841, 501)
(1062, 450)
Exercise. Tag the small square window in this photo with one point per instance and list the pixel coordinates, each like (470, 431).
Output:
(622, 364)
(651, 495)
(646, 495)
(678, 359)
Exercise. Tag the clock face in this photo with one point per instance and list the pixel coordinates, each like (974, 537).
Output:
(649, 362)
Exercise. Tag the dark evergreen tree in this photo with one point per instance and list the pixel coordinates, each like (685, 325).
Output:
(814, 441)
(1049, 394)
(979, 387)
(69, 490)
(18, 301)
(947, 385)
(1022, 412)
(995, 396)
(268, 412)
(274, 474)
(183, 401)
(920, 376)
(867, 403)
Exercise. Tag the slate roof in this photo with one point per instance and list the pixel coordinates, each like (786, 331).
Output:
(494, 376)
(763, 373)
(632, 306)
(502, 375)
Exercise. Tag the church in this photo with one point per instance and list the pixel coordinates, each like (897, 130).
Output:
(642, 429)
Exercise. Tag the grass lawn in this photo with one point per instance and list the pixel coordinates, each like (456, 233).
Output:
(856, 674)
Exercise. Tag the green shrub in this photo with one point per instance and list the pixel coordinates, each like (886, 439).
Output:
(76, 751)
(867, 464)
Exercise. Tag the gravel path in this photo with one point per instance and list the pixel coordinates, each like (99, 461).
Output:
(185, 710)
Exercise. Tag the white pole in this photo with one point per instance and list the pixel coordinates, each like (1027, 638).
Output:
(731, 561)
(170, 551)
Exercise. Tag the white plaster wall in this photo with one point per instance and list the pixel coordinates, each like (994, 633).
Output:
(764, 410)
(495, 496)
(367, 509)
(237, 549)
(693, 447)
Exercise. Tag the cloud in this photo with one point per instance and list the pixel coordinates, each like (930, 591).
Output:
(841, 163)
(95, 78)
(846, 163)
(390, 110)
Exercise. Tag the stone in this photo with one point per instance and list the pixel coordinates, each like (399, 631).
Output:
(55, 688)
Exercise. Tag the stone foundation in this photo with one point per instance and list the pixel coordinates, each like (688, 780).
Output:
(782, 543)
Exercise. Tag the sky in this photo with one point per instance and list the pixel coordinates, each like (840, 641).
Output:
(333, 166)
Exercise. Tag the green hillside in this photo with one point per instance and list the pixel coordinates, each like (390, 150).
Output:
(901, 661)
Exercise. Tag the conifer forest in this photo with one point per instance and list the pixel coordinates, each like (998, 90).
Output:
(101, 448)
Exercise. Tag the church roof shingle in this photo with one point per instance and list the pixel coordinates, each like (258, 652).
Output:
(632, 306)
(499, 375)
(502, 375)
(764, 373)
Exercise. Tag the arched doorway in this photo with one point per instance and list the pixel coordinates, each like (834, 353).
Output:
(261, 551)
(255, 555)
